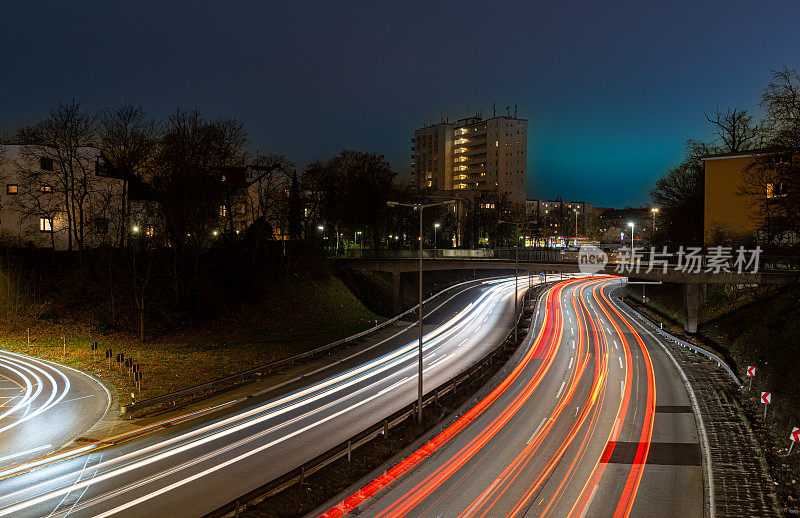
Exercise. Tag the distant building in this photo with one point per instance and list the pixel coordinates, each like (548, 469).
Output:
(558, 217)
(473, 154)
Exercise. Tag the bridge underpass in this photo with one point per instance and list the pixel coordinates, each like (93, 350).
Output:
(692, 282)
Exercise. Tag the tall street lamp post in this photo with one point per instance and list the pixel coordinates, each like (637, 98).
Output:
(435, 227)
(654, 211)
(632, 228)
(419, 207)
(516, 271)
(576, 226)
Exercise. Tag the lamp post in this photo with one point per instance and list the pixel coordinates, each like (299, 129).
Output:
(435, 227)
(516, 271)
(576, 226)
(419, 207)
(654, 211)
(630, 224)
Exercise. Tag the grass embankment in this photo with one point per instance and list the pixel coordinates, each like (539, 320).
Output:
(760, 327)
(292, 314)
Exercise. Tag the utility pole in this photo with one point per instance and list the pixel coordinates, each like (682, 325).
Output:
(419, 207)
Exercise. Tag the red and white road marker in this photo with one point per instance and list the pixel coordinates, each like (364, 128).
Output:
(766, 398)
(751, 373)
(795, 437)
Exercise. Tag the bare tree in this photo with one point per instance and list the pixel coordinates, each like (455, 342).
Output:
(735, 130)
(65, 140)
(127, 138)
(781, 104)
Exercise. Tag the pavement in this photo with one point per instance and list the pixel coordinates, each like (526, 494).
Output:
(188, 467)
(592, 420)
(44, 406)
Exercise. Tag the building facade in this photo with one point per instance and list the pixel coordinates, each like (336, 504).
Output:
(36, 208)
(473, 154)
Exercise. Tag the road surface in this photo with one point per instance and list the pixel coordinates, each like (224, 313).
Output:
(43, 406)
(194, 467)
(594, 420)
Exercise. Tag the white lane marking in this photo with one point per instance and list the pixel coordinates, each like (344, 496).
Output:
(544, 420)
(483, 497)
(570, 319)
(485, 319)
(570, 362)
(621, 389)
(573, 345)
(572, 329)
(615, 345)
(594, 491)
(77, 398)
(20, 454)
(620, 361)
(437, 362)
(562, 388)
(463, 341)
(616, 430)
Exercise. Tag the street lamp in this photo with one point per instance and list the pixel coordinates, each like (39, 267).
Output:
(516, 270)
(654, 211)
(435, 227)
(419, 207)
(576, 226)
(630, 224)
(320, 228)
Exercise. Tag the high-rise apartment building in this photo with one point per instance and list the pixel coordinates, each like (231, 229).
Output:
(473, 154)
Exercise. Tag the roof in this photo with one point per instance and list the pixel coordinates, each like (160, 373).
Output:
(745, 153)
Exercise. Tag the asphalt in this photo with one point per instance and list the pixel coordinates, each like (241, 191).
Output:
(44, 406)
(593, 420)
(191, 468)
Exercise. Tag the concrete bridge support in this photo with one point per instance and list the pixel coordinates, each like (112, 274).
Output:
(691, 307)
(397, 291)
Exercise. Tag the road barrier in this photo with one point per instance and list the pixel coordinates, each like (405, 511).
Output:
(683, 343)
(381, 428)
(222, 384)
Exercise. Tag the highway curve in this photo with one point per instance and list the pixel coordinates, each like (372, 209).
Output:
(190, 467)
(594, 420)
(43, 406)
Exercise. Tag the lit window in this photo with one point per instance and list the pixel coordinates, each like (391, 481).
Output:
(775, 190)
(12, 188)
(46, 224)
(149, 231)
(46, 188)
(223, 211)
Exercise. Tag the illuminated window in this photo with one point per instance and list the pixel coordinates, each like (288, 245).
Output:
(12, 188)
(775, 190)
(149, 231)
(223, 211)
(45, 188)
(46, 224)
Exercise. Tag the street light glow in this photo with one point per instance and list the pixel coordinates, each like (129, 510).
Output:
(135, 229)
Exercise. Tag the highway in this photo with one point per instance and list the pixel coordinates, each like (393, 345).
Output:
(43, 406)
(191, 467)
(593, 420)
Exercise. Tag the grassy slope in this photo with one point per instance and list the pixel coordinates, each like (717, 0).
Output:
(295, 313)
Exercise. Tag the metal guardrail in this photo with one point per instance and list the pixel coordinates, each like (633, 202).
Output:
(227, 382)
(687, 345)
(345, 449)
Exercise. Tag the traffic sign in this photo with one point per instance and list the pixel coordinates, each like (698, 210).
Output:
(751, 371)
(795, 435)
(766, 397)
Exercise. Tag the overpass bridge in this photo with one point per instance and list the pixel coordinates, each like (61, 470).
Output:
(691, 281)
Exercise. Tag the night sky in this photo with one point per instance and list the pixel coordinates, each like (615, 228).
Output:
(611, 89)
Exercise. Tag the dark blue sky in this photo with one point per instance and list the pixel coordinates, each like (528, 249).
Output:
(611, 89)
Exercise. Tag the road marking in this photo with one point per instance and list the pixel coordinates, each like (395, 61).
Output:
(77, 398)
(573, 330)
(615, 345)
(621, 389)
(573, 345)
(463, 341)
(589, 502)
(620, 361)
(570, 362)
(544, 420)
(562, 388)
(20, 454)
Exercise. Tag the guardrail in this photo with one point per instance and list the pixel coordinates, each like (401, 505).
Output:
(227, 382)
(345, 449)
(688, 345)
